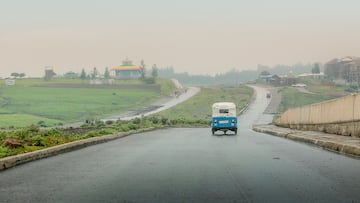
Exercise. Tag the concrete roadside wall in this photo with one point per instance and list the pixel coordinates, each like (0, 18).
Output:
(339, 116)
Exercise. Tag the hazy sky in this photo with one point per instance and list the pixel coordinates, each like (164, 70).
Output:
(198, 36)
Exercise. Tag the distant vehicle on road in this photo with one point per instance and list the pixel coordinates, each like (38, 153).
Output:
(224, 117)
(268, 95)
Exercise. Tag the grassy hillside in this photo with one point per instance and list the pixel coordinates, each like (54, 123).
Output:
(199, 107)
(34, 101)
(292, 98)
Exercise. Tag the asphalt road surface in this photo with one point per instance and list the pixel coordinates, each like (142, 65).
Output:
(189, 165)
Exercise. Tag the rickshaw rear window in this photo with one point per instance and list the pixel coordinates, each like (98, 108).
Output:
(224, 111)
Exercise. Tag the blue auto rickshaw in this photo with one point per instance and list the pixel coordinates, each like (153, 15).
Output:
(224, 117)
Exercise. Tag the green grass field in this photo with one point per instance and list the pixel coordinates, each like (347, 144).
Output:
(199, 107)
(65, 102)
(32, 101)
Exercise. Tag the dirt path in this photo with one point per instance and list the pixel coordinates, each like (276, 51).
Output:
(156, 107)
(303, 90)
(182, 94)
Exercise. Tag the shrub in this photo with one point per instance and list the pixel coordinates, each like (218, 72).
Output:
(33, 128)
(121, 122)
(51, 132)
(4, 151)
(132, 126)
(149, 80)
(21, 134)
(106, 131)
(52, 140)
(109, 122)
(164, 121)
(42, 124)
(38, 141)
(351, 89)
(154, 120)
(99, 123)
(173, 122)
(123, 128)
(3, 135)
(92, 134)
(136, 121)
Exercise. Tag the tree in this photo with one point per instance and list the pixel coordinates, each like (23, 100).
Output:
(316, 68)
(265, 72)
(142, 70)
(21, 75)
(70, 74)
(94, 73)
(154, 71)
(83, 74)
(107, 73)
(15, 75)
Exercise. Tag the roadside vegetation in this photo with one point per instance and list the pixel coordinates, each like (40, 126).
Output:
(292, 98)
(196, 112)
(33, 138)
(62, 101)
(319, 91)
(198, 108)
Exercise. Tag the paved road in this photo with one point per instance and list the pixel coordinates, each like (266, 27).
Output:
(189, 165)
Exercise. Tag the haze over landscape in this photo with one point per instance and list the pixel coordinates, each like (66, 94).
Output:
(200, 37)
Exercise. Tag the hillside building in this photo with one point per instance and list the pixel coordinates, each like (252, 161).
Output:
(344, 71)
(126, 71)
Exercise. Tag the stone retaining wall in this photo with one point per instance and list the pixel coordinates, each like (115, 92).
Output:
(346, 128)
(339, 116)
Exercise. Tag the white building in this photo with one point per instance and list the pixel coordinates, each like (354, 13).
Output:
(9, 82)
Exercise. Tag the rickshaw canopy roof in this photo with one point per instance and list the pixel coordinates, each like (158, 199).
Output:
(219, 109)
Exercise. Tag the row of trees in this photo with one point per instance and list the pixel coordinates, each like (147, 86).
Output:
(234, 76)
(92, 75)
(316, 68)
(154, 70)
(18, 75)
(95, 73)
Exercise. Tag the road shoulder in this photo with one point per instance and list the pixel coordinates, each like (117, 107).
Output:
(341, 144)
(11, 161)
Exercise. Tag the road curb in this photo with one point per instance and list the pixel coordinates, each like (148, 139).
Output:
(15, 160)
(340, 144)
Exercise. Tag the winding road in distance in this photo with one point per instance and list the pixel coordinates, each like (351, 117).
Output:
(190, 165)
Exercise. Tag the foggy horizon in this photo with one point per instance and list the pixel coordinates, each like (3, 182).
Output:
(198, 37)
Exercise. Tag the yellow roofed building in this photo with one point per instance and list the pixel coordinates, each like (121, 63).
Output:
(126, 71)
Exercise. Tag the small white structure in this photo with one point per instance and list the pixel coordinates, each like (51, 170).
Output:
(102, 82)
(96, 82)
(9, 82)
(299, 85)
(312, 75)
